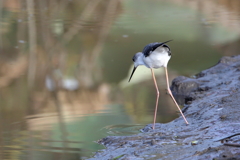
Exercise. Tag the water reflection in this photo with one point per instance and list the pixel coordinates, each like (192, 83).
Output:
(64, 66)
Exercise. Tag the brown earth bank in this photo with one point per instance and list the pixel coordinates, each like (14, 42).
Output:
(212, 108)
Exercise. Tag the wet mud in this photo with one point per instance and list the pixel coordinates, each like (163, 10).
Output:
(212, 107)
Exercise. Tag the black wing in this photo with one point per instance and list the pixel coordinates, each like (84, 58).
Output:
(152, 46)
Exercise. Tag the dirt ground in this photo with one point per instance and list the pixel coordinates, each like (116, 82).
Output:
(212, 108)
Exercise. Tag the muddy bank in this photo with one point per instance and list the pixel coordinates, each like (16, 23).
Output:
(212, 107)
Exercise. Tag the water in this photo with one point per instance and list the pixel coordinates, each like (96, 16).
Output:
(65, 66)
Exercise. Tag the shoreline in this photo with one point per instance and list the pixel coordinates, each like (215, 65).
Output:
(212, 107)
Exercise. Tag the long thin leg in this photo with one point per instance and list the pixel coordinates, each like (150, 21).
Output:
(155, 113)
(170, 92)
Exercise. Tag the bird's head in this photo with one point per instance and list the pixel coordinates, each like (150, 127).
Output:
(138, 60)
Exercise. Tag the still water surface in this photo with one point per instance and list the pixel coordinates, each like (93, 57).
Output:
(65, 66)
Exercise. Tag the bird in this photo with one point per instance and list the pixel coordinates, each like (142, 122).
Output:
(155, 55)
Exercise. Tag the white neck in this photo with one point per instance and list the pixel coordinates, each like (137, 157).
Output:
(139, 60)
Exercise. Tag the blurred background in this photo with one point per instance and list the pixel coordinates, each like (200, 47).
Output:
(65, 64)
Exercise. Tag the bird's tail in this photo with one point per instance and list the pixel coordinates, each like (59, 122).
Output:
(166, 41)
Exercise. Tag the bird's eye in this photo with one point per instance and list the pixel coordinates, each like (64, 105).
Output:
(133, 58)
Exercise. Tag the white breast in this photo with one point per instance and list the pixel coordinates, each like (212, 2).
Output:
(158, 58)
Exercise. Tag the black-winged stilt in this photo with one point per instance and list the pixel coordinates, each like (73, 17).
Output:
(155, 55)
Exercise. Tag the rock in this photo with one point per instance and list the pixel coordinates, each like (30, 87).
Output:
(182, 87)
(213, 115)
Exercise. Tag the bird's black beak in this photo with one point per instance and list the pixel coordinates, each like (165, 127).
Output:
(132, 73)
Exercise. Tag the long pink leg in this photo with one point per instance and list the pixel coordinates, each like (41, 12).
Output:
(170, 92)
(155, 113)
